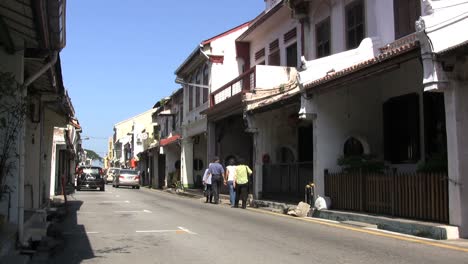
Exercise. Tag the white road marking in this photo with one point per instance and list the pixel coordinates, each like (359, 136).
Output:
(155, 231)
(180, 230)
(186, 230)
(144, 211)
(147, 211)
(117, 196)
(111, 202)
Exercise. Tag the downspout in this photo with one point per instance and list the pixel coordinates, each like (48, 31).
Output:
(24, 94)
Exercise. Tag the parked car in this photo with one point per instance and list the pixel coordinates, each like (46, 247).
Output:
(127, 177)
(111, 173)
(90, 177)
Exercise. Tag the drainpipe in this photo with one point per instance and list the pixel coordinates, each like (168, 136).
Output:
(24, 94)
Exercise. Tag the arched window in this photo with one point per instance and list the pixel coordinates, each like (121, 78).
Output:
(353, 147)
(285, 155)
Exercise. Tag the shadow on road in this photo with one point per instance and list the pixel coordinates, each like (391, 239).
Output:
(77, 246)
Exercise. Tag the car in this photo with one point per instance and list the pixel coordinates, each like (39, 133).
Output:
(127, 177)
(90, 177)
(111, 173)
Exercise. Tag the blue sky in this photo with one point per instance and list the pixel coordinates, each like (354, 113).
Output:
(121, 55)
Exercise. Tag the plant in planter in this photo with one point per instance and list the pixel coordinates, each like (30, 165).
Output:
(12, 114)
(363, 163)
(435, 163)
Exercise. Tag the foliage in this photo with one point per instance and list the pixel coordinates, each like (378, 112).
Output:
(363, 163)
(281, 88)
(12, 114)
(92, 155)
(435, 163)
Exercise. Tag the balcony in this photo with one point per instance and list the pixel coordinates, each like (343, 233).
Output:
(259, 77)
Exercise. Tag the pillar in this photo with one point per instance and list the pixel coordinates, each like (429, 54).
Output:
(186, 160)
(456, 115)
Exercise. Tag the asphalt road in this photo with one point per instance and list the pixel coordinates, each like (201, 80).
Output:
(148, 226)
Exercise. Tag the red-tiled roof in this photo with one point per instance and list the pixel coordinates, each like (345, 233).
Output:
(388, 52)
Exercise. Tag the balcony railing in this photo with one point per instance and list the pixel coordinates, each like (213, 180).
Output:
(244, 82)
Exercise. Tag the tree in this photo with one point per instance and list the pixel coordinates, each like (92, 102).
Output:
(93, 155)
(12, 114)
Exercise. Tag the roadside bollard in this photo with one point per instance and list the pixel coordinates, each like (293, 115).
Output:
(309, 193)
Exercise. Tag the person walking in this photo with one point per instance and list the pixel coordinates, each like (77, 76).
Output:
(208, 189)
(230, 173)
(241, 180)
(217, 175)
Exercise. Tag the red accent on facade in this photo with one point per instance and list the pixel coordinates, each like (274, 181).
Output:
(169, 140)
(216, 59)
(243, 51)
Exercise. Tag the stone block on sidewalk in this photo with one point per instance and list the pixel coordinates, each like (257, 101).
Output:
(301, 210)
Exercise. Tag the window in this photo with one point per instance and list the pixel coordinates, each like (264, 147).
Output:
(260, 54)
(198, 164)
(291, 55)
(190, 97)
(354, 24)
(197, 89)
(285, 155)
(174, 121)
(401, 129)
(274, 57)
(406, 14)
(290, 35)
(322, 37)
(206, 76)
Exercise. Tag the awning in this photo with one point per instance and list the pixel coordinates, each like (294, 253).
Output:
(169, 140)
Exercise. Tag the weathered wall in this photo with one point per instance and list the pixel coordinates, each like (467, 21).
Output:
(356, 109)
(13, 63)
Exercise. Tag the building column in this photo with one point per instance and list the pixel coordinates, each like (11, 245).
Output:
(186, 159)
(456, 115)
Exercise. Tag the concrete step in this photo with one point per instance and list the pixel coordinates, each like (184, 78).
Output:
(359, 224)
(399, 225)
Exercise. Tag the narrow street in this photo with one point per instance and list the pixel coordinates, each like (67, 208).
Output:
(147, 226)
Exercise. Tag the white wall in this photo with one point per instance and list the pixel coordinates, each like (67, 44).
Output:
(228, 70)
(13, 63)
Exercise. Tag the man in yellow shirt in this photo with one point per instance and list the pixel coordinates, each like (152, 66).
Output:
(241, 180)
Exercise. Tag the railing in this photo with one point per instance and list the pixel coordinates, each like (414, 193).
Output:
(421, 196)
(244, 82)
(286, 181)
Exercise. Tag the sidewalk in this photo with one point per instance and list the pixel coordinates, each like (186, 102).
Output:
(436, 231)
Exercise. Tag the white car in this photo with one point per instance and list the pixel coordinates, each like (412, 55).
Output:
(111, 173)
